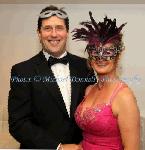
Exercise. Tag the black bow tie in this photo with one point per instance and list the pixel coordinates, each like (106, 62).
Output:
(52, 60)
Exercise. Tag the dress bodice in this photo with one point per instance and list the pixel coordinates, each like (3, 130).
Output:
(99, 125)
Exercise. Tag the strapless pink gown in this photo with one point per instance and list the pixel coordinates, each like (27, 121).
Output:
(100, 127)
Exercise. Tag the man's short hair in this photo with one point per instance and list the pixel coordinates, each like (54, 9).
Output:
(53, 8)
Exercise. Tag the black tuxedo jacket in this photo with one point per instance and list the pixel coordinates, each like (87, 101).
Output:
(37, 114)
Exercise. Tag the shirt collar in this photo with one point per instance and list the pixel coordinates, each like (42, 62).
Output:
(47, 55)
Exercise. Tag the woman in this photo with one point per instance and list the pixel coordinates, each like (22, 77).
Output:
(108, 115)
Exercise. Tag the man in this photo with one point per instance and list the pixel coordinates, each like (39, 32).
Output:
(46, 89)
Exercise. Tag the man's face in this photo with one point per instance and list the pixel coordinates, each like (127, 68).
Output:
(53, 35)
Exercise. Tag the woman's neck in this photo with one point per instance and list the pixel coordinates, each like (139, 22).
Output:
(108, 80)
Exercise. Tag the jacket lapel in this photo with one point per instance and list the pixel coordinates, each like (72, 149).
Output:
(75, 86)
(44, 71)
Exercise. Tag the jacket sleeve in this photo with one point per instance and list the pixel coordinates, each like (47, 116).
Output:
(21, 125)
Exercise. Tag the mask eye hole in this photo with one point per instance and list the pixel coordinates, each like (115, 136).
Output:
(108, 52)
(93, 53)
(60, 13)
(47, 13)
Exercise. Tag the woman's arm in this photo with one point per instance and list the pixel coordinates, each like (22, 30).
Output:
(128, 119)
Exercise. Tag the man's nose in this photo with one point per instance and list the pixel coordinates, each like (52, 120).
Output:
(54, 32)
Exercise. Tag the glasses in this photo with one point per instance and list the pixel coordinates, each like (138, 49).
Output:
(50, 13)
(49, 28)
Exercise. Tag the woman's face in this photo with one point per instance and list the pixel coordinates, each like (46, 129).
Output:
(104, 59)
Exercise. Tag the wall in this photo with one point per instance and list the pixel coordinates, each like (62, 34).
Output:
(18, 42)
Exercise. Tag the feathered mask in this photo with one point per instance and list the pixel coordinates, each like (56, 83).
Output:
(96, 34)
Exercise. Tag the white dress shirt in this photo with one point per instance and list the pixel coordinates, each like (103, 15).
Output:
(62, 75)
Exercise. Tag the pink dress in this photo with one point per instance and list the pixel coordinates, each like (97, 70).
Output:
(99, 125)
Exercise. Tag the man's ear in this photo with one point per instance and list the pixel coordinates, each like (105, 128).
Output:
(38, 32)
(39, 35)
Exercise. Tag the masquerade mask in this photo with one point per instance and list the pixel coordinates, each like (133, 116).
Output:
(100, 34)
(98, 53)
(50, 13)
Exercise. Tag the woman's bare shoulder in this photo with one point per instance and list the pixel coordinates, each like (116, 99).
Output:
(126, 98)
(126, 94)
(125, 102)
